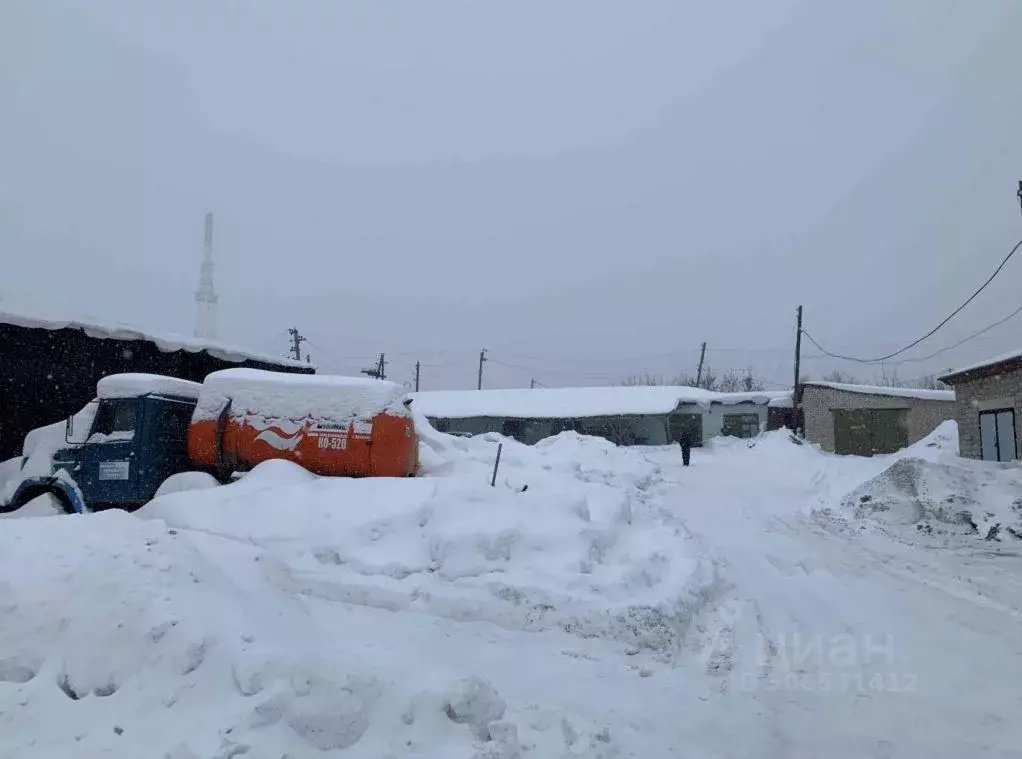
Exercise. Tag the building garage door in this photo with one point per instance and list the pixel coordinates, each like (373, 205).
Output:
(864, 432)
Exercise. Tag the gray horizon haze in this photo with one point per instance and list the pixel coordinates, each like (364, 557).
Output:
(588, 190)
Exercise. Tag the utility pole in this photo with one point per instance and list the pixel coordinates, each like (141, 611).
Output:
(296, 343)
(699, 371)
(795, 393)
(1020, 195)
(532, 384)
(379, 371)
(417, 366)
(482, 360)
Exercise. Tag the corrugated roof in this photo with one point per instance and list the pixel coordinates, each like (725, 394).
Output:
(573, 402)
(167, 342)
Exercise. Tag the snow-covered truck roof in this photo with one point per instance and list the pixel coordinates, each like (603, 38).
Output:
(166, 342)
(574, 402)
(893, 392)
(133, 385)
(298, 396)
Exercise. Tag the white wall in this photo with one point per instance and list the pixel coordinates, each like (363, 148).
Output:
(713, 419)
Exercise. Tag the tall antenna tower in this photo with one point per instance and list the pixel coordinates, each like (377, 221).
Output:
(205, 296)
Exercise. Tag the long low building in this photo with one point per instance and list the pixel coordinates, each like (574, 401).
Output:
(623, 415)
(49, 367)
(865, 419)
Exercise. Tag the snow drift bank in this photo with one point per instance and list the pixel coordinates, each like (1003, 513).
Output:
(952, 496)
(123, 637)
(579, 550)
(927, 488)
(287, 614)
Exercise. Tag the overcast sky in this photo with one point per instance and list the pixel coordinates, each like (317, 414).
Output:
(586, 188)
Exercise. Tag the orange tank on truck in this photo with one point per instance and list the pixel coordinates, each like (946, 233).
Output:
(334, 426)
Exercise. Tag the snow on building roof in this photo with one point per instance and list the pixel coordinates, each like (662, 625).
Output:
(572, 402)
(167, 342)
(894, 392)
(298, 396)
(775, 398)
(134, 385)
(1014, 355)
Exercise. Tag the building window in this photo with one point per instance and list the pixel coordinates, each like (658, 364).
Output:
(740, 425)
(997, 435)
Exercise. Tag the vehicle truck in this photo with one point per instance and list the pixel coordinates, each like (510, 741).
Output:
(142, 429)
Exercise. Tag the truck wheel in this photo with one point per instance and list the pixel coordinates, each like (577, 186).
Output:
(28, 495)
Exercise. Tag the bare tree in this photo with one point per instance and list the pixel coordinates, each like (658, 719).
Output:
(888, 377)
(641, 380)
(839, 377)
(731, 382)
(750, 383)
(708, 381)
(925, 382)
(929, 382)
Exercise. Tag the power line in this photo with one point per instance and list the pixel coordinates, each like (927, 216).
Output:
(914, 343)
(963, 341)
(604, 359)
(548, 370)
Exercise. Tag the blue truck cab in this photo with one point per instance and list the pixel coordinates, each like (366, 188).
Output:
(137, 437)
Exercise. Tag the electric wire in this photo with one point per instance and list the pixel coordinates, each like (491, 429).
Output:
(914, 343)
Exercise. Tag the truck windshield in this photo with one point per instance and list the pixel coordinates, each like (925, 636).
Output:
(115, 416)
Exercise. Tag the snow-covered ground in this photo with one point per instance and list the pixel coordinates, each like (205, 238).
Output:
(768, 601)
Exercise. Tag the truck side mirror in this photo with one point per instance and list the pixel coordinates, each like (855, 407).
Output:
(69, 428)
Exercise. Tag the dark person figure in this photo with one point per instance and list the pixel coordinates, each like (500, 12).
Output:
(686, 447)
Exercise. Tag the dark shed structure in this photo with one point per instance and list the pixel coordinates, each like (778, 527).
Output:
(49, 370)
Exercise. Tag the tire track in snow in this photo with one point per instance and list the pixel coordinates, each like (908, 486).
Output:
(803, 592)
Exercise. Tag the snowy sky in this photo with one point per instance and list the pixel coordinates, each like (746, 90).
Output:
(586, 188)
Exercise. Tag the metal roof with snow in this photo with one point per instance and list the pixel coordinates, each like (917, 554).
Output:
(166, 342)
(574, 402)
(1005, 362)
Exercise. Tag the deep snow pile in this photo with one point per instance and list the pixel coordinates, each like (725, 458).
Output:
(128, 638)
(590, 605)
(578, 549)
(948, 497)
(288, 615)
(926, 489)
